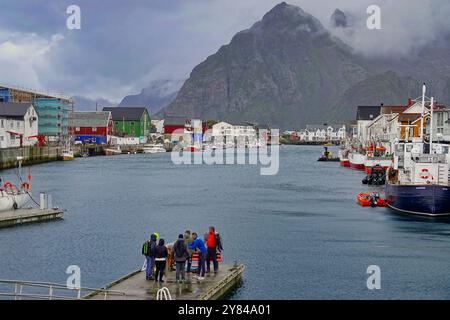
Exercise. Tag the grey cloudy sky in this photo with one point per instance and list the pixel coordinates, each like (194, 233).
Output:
(123, 45)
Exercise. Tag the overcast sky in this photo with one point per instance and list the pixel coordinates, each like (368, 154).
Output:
(123, 45)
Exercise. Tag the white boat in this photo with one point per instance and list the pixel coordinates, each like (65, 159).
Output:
(154, 148)
(12, 197)
(112, 152)
(67, 155)
(11, 200)
(357, 160)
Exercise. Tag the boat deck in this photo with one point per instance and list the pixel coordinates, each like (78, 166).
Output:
(23, 216)
(135, 287)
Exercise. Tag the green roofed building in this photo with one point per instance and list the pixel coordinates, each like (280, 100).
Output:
(130, 121)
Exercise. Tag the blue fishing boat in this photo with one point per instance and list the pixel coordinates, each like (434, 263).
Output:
(418, 183)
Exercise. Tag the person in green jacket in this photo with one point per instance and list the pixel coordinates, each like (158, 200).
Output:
(188, 240)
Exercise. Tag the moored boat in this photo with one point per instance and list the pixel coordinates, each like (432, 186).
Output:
(357, 160)
(343, 158)
(376, 156)
(372, 162)
(67, 155)
(154, 148)
(113, 152)
(13, 197)
(366, 199)
(419, 181)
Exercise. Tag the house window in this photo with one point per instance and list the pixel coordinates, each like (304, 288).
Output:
(94, 129)
(2, 138)
(3, 123)
(77, 129)
(440, 119)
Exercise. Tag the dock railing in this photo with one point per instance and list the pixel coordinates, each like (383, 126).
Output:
(49, 291)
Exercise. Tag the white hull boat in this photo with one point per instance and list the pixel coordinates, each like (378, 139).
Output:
(11, 201)
(156, 148)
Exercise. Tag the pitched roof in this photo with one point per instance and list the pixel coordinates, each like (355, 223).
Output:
(368, 112)
(175, 121)
(13, 110)
(393, 109)
(91, 119)
(126, 113)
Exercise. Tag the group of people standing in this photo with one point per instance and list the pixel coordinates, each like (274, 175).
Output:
(157, 255)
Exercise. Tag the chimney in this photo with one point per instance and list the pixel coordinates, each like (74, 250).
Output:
(410, 102)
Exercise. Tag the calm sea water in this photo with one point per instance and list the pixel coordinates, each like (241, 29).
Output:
(299, 233)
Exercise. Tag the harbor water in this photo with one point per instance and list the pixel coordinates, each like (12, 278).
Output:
(299, 233)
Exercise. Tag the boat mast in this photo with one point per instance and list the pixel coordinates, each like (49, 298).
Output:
(424, 91)
(431, 125)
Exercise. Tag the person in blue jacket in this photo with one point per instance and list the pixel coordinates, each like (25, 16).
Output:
(198, 244)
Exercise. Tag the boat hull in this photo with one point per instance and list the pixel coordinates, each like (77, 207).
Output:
(345, 163)
(154, 151)
(7, 201)
(424, 200)
(357, 161)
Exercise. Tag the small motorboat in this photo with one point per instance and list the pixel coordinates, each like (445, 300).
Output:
(326, 159)
(113, 152)
(367, 199)
(67, 155)
(154, 148)
(377, 177)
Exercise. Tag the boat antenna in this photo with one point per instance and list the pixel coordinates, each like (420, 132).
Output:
(424, 91)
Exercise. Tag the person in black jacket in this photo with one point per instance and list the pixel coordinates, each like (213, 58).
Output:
(180, 255)
(160, 260)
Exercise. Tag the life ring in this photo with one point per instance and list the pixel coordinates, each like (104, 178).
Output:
(26, 186)
(425, 174)
(8, 185)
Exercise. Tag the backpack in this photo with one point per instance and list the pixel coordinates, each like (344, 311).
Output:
(145, 248)
(219, 243)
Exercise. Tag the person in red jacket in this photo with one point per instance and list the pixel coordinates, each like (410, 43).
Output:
(211, 247)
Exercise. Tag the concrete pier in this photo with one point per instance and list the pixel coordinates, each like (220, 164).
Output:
(214, 287)
(23, 216)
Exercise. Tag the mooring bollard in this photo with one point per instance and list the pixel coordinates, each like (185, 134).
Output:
(43, 201)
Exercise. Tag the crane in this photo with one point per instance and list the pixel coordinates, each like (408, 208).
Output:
(40, 138)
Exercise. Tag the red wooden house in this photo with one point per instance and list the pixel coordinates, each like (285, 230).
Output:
(92, 127)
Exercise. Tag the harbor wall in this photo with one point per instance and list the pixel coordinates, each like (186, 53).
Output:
(30, 155)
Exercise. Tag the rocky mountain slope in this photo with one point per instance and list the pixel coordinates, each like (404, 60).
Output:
(157, 95)
(287, 70)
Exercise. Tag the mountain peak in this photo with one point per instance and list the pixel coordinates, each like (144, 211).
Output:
(339, 19)
(286, 16)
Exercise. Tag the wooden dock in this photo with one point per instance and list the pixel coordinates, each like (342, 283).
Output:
(214, 287)
(33, 215)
